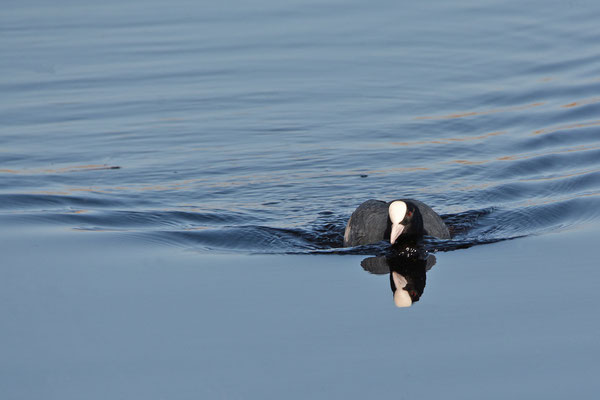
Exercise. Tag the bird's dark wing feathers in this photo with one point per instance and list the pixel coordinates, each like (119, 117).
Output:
(368, 223)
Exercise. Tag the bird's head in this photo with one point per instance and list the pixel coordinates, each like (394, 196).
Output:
(405, 219)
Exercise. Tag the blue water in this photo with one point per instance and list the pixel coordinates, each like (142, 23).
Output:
(175, 179)
(260, 127)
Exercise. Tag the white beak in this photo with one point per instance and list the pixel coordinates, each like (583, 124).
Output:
(396, 231)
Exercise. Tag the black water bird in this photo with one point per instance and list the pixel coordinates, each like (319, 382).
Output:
(376, 220)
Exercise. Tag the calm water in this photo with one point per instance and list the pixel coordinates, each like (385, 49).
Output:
(258, 127)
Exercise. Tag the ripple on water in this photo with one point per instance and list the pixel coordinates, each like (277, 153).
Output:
(221, 147)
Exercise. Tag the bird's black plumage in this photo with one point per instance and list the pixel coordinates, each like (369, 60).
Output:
(370, 223)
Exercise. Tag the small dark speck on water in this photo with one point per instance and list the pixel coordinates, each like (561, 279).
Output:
(364, 175)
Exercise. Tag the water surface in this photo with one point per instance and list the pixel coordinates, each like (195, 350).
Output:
(147, 149)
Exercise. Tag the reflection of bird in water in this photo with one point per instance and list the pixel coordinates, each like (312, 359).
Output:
(407, 219)
(407, 275)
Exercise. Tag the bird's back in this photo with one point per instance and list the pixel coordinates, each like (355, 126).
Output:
(368, 224)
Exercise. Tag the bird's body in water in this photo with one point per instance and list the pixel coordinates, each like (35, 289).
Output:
(405, 219)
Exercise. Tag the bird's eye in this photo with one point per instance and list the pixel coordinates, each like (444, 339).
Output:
(409, 214)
